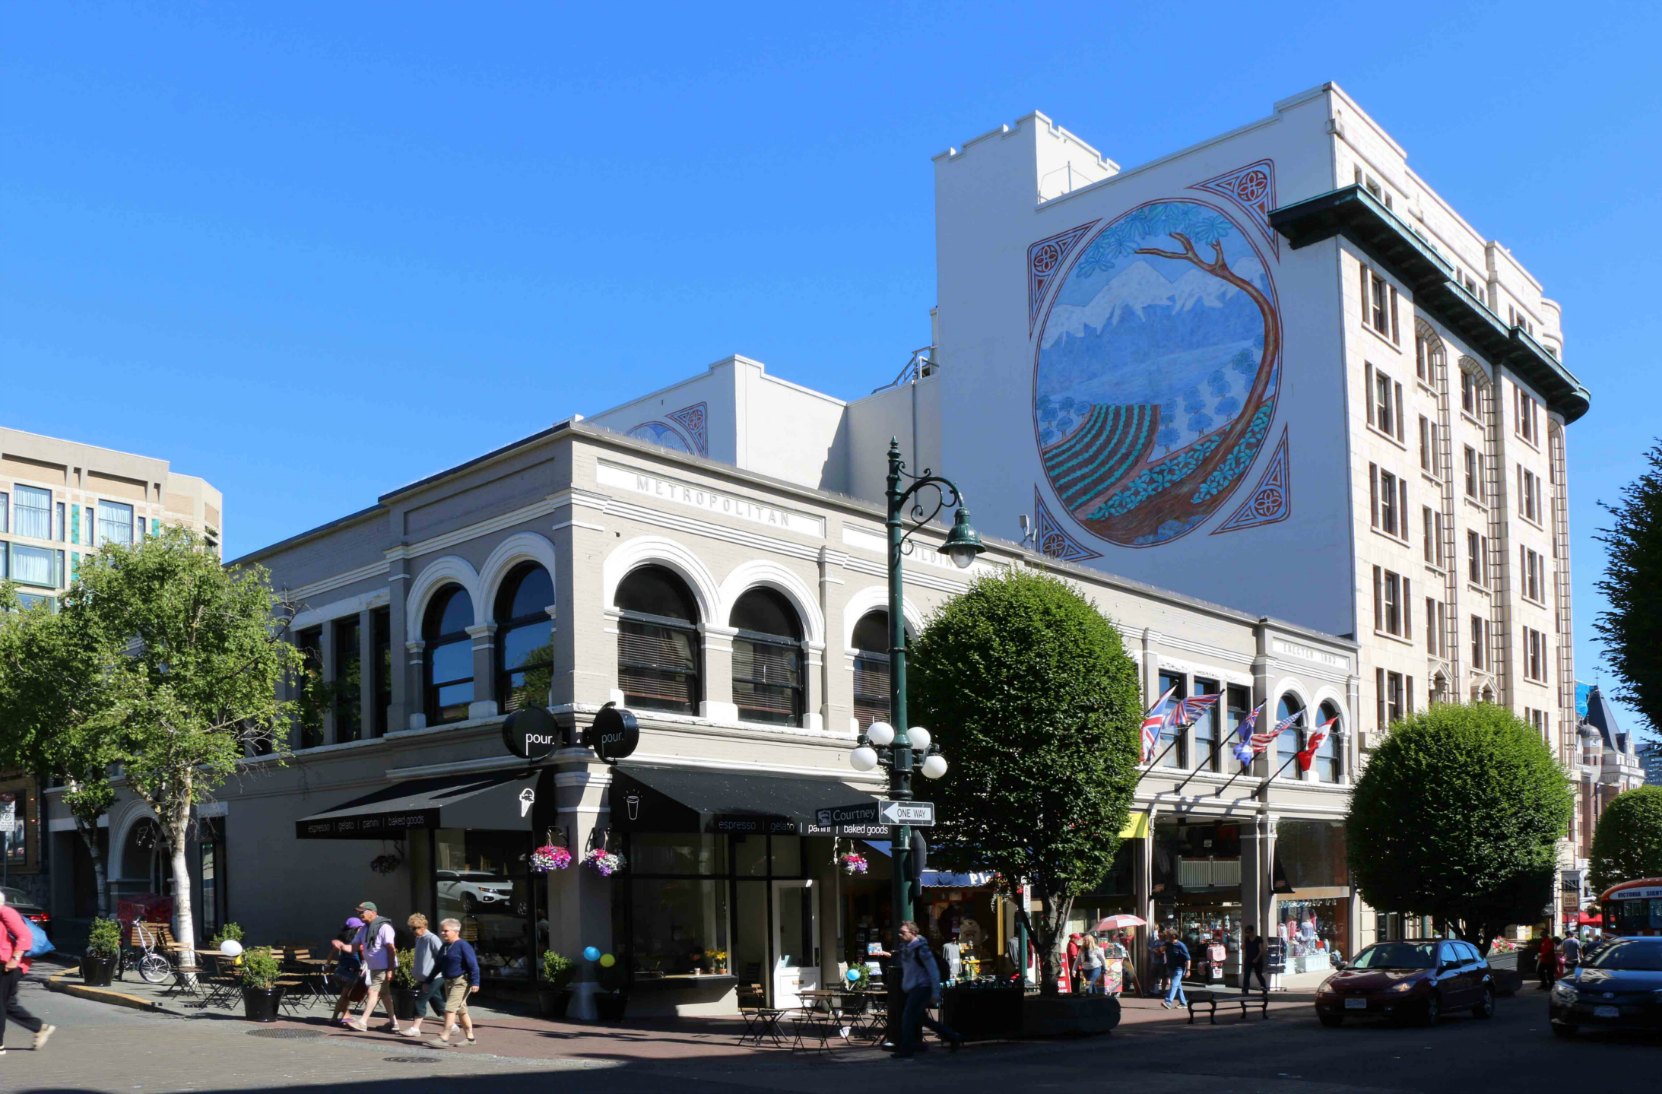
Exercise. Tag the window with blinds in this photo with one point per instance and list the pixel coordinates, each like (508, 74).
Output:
(767, 659)
(871, 669)
(659, 655)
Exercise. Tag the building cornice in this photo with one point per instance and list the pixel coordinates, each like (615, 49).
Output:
(1361, 218)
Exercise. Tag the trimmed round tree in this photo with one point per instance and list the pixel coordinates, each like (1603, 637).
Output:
(1036, 704)
(1628, 841)
(1456, 816)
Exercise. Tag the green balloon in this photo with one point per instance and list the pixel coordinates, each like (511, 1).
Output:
(607, 960)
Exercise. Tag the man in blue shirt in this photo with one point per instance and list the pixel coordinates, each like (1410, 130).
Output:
(1177, 963)
(459, 966)
(921, 980)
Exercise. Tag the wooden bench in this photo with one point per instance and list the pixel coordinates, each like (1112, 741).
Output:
(1210, 999)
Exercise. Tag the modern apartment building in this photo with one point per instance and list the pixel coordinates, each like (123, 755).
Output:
(58, 500)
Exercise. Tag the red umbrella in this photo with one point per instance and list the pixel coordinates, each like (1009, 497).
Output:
(1120, 922)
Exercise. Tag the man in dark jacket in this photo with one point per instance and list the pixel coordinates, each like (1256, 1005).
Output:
(460, 967)
(921, 980)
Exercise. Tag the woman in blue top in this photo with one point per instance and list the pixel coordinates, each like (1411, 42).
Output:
(460, 968)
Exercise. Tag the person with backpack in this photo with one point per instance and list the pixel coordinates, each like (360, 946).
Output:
(348, 973)
(921, 980)
(1177, 964)
(15, 940)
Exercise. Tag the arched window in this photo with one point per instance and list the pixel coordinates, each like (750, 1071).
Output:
(1287, 743)
(767, 659)
(524, 637)
(871, 669)
(449, 656)
(658, 649)
(1326, 765)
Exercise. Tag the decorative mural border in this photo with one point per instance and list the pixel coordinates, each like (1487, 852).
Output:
(1044, 259)
(1252, 190)
(1271, 501)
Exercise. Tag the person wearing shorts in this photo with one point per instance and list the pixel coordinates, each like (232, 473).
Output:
(460, 968)
(376, 944)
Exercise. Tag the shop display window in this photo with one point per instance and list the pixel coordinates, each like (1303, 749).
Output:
(482, 878)
(1313, 930)
(678, 924)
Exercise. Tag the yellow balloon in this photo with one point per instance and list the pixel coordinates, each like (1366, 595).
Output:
(607, 960)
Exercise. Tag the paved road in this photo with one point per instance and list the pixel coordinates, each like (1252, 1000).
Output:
(109, 1050)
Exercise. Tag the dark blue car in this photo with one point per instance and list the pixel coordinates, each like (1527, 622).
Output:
(1619, 987)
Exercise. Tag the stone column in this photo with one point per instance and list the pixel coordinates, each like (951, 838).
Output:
(405, 700)
(813, 688)
(327, 665)
(485, 700)
(718, 674)
(579, 900)
(835, 671)
(367, 670)
(413, 686)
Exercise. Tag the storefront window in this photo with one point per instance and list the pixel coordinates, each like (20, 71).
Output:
(1315, 931)
(691, 855)
(677, 923)
(1208, 756)
(1287, 741)
(1310, 854)
(22, 837)
(482, 878)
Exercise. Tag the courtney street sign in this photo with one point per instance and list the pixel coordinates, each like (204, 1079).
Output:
(921, 814)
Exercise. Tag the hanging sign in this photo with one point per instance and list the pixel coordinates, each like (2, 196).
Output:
(615, 733)
(530, 733)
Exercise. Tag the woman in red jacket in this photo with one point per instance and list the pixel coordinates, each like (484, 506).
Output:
(15, 940)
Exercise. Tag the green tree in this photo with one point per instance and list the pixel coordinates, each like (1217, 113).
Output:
(1456, 816)
(1037, 707)
(193, 654)
(1628, 841)
(56, 716)
(1631, 628)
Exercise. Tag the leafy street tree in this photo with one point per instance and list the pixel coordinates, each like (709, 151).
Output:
(1456, 817)
(1628, 841)
(1037, 704)
(193, 655)
(57, 716)
(1631, 628)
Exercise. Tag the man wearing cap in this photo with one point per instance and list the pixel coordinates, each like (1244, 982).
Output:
(380, 953)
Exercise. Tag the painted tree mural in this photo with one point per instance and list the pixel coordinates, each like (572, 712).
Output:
(1164, 340)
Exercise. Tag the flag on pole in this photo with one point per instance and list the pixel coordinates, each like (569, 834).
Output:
(1185, 711)
(1317, 736)
(1243, 733)
(1261, 741)
(1154, 719)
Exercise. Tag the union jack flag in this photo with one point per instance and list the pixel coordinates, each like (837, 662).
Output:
(1313, 742)
(1154, 719)
(1243, 744)
(1185, 711)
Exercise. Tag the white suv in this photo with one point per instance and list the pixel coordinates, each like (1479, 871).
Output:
(475, 889)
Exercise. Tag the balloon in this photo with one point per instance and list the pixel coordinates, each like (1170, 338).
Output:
(591, 953)
(231, 948)
(607, 960)
(853, 975)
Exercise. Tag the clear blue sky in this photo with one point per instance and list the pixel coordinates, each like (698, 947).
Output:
(314, 251)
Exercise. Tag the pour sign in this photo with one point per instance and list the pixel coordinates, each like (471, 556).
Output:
(614, 734)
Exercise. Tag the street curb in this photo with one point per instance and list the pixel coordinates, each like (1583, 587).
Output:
(59, 984)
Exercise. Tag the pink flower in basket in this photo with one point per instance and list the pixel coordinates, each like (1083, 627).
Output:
(854, 863)
(603, 862)
(548, 858)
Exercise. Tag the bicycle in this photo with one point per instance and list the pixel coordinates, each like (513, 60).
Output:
(153, 965)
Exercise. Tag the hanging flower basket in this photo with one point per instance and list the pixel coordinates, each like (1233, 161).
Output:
(603, 862)
(854, 863)
(548, 858)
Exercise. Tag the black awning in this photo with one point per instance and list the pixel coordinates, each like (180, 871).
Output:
(678, 799)
(496, 800)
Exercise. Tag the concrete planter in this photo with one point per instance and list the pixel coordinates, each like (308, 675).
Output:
(1068, 1015)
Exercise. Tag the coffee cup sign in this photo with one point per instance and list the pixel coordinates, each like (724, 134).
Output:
(530, 733)
(614, 734)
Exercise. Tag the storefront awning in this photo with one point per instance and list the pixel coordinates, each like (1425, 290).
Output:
(686, 800)
(940, 879)
(496, 800)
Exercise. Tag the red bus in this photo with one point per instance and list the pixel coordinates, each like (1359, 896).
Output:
(1633, 907)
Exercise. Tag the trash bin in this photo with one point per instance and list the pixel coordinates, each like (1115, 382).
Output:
(980, 1010)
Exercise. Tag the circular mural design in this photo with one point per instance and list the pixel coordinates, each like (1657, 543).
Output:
(1155, 377)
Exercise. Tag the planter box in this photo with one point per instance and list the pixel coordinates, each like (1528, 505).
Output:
(97, 972)
(260, 1004)
(404, 1003)
(1069, 1015)
(552, 1002)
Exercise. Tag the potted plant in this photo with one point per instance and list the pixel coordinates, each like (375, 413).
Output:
(102, 953)
(613, 997)
(405, 997)
(554, 993)
(260, 991)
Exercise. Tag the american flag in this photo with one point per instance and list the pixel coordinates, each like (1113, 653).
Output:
(1313, 742)
(1154, 719)
(1243, 744)
(1261, 741)
(1185, 711)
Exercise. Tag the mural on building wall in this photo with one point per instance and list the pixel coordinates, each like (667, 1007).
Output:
(688, 433)
(1271, 500)
(1050, 538)
(693, 420)
(663, 434)
(1156, 369)
(1044, 262)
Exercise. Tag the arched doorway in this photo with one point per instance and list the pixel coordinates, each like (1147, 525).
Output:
(145, 864)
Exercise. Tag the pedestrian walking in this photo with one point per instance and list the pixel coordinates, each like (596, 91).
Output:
(921, 980)
(348, 971)
(1091, 963)
(15, 940)
(1569, 951)
(429, 983)
(1546, 961)
(1074, 974)
(1159, 979)
(1177, 964)
(459, 966)
(1252, 960)
(378, 947)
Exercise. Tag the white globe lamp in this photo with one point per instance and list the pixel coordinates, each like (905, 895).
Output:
(880, 734)
(863, 758)
(934, 767)
(919, 737)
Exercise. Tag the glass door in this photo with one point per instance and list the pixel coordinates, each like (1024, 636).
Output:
(795, 942)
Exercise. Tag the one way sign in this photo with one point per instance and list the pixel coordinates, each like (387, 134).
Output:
(916, 814)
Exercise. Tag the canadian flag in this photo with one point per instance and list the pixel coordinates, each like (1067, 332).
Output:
(1313, 742)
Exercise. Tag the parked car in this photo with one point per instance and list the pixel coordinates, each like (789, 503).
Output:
(1418, 978)
(475, 889)
(27, 908)
(1618, 987)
